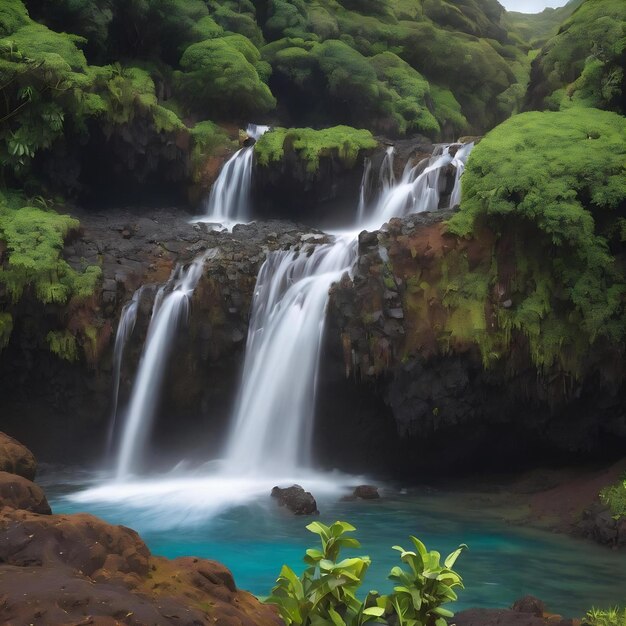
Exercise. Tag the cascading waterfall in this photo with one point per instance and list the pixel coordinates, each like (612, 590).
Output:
(168, 314)
(229, 200)
(272, 425)
(419, 189)
(270, 438)
(273, 421)
(125, 328)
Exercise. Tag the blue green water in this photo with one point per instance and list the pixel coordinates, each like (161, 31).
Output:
(504, 562)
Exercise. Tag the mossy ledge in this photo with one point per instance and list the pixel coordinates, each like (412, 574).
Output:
(310, 145)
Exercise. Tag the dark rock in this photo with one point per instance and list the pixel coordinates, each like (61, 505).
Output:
(16, 458)
(296, 499)
(496, 617)
(530, 604)
(599, 524)
(17, 492)
(366, 492)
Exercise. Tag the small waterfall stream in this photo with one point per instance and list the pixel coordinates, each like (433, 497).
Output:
(274, 415)
(229, 200)
(170, 310)
(125, 328)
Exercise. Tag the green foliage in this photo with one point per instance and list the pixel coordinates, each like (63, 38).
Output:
(34, 241)
(208, 139)
(553, 183)
(586, 58)
(608, 617)
(311, 144)
(326, 593)
(614, 497)
(222, 77)
(63, 344)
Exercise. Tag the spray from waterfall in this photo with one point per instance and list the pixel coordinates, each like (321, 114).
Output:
(170, 310)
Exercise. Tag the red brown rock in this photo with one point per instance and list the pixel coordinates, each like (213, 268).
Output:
(16, 458)
(16, 492)
(77, 569)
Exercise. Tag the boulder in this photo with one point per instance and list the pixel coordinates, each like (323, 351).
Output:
(17, 492)
(16, 458)
(77, 569)
(496, 617)
(296, 499)
(366, 492)
(529, 604)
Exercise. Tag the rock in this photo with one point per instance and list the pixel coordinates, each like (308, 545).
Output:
(496, 617)
(17, 492)
(296, 499)
(529, 604)
(599, 524)
(16, 458)
(77, 569)
(366, 492)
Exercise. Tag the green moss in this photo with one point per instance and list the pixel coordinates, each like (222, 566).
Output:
(63, 344)
(587, 55)
(220, 77)
(551, 183)
(6, 328)
(208, 139)
(34, 241)
(311, 144)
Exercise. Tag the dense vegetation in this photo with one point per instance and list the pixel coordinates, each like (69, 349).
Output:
(552, 187)
(614, 496)
(583, 64)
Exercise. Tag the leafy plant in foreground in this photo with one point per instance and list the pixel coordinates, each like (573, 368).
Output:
(609, 617)
(615, 497)
(326, 591)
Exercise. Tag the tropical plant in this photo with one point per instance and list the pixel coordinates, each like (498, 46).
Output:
(326, 593)
(605, 617)
(614, 496)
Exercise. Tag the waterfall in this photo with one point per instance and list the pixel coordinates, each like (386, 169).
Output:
(125, 328)
(171, 309)
(419, 189)
(273, 420)
(229, 200)
(274, 414)
(364, 190)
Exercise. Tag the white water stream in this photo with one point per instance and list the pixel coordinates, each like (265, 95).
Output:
(229, 200)
(168, 314)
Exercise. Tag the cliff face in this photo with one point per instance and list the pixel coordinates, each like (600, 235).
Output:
(411, 373)
(401, 336)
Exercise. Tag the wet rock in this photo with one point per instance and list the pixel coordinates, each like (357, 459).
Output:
(16, 458)
(17, 492)
(530, 604)
(366, 492)
(599, 524)
(296, 499)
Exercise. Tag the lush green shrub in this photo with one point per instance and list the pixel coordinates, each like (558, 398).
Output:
(610, 617)
(587, 55)
(220, 77)
(311, 144)
(552, 184)
(326, 593)
(615, 497)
